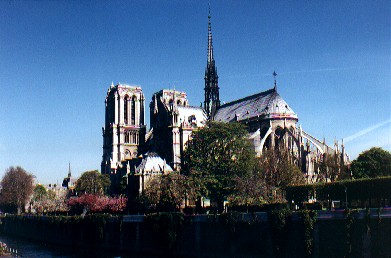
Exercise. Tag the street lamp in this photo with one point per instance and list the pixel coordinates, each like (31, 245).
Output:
(346, 197)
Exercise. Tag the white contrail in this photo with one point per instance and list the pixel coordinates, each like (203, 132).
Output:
(291, 72)
(237, 76)
(323, 70)
(365, 131)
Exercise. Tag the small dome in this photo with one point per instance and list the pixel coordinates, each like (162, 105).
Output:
(153, 164)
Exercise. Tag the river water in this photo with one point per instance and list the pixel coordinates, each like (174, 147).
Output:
(26, 248)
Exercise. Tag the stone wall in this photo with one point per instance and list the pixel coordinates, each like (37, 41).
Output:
(363, 234)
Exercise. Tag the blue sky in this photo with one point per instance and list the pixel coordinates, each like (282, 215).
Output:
(58, 58)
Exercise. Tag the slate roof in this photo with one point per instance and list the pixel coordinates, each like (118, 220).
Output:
(267, 104)
(152, 163)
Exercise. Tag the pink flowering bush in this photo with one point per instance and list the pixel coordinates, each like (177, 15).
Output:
(97, 204)
(117, 204)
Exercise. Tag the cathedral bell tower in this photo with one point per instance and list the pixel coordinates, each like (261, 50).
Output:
(124, 130)
(212, 99)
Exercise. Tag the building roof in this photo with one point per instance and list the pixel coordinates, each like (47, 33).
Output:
(153, 164)
(267, 104)
(192, 115)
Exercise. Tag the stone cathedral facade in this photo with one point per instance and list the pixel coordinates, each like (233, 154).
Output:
(172, 122)
(270, 121)
(124, 130)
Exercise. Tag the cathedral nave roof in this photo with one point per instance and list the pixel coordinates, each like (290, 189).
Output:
(267, 104)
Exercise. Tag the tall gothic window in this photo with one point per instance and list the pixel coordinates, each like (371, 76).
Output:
(134, 138)
(126, 100)
(126, 137)
(133, 115)
(141, 111)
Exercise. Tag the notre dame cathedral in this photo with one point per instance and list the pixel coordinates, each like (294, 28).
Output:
(130, 151)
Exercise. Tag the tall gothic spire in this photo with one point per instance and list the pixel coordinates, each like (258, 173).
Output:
(212, 100)
(210, 42)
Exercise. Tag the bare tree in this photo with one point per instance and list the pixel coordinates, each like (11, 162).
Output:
(166, 192)
(278, 170)
(250, 190)
(17, 188)
(330, 167)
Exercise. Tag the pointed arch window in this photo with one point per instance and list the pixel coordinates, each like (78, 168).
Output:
(126, 113)
(141, 111)
(134, 140)
(133, 112)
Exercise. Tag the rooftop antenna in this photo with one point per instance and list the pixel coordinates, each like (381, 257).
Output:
(275, 81)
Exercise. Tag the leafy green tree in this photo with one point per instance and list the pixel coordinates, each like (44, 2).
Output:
(39, 200)
(93, 182)
(40, 193)
(51, 194)
(17, 187)
(215, 156)
(374, 162)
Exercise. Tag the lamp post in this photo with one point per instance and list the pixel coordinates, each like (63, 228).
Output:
(346, 197)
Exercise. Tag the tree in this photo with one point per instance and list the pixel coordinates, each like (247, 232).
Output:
(166, 192)
(332, 168)
(278, 171)
(39, 193)
(93, 182)
(40, 199)
(48, 201)
(374, 162)
(215, 156)
(57, 201)
(250, 190)
(17, 187)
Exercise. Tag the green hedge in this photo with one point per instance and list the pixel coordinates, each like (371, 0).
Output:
(91, 228)
(360, 189)
(166, 225)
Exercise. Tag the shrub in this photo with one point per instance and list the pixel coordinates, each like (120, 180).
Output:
(167, 225)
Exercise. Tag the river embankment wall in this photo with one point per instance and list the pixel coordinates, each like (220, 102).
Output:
(365, 233)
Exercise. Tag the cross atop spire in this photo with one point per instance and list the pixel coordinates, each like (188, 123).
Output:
(69, 169)
(275, 81)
